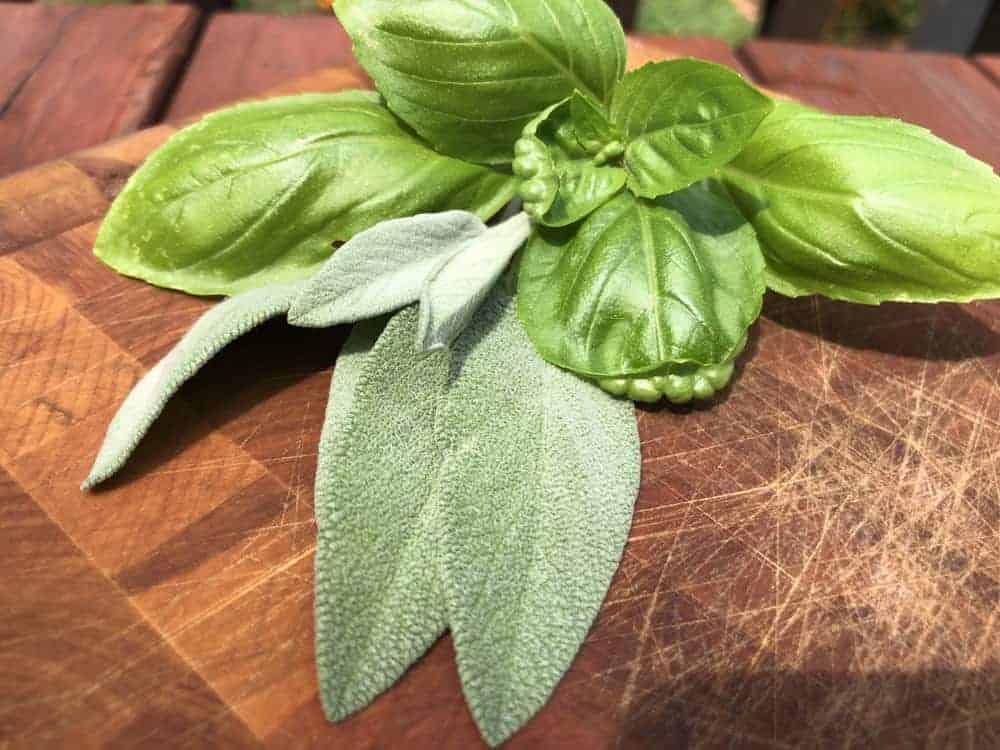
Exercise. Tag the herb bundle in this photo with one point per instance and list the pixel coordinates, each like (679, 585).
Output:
(480, 460)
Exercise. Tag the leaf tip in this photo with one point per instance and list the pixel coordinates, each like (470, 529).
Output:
(427, 345)
(93, 479)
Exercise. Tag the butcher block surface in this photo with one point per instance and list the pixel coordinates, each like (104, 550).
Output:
(814, 561)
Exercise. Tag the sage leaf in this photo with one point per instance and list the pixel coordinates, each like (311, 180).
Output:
(378, 600)
(436, 472)
(455, 290)
(383, 268)
(641, 284)
(468, 76)
(682, 120)
(868, 209)
(539, 481)
(221, 325)
(259, 193)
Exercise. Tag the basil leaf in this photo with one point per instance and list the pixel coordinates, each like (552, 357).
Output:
(383, 268)
(583, 187)
(679, 384)
(453, 292)
(539, 482)
(868, 209)
(378, 599)
(468, 76)
(217, 328)
(257, 194)
(589, 125)
(560, 157)
(682, 120)
(641, 284)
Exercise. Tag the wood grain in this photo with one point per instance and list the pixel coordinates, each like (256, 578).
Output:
(79, 662)
(991, 65)
(72, 77)
(244, 54)
(947, 94)
(814, 560)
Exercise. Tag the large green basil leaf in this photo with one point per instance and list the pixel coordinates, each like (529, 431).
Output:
(468, 76)
(641, 284)
(682, 120)
(257, 194)
(868, 209)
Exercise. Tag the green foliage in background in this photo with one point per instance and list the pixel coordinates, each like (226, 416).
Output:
(280, 7)
(861, 21)
(712, 18)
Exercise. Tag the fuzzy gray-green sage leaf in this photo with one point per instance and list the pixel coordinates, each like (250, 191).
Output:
(537, 479)
(221, 325)
(455, 290)
(449, 261)
(383, 269)
(378, 600)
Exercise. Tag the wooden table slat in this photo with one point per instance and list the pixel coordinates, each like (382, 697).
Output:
(990, 64)
(944, 93)
(76, 76)
(244, 54)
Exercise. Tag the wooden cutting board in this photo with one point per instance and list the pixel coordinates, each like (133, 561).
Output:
(815, 556)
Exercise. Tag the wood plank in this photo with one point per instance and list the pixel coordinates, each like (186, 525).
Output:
(244, 54)
(813, 556)
(945, 93)
(77, 660)
(72, 77)
(661, 46)
(44, 201)
(991, 65)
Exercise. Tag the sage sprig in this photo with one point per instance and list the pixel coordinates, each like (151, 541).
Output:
(479, 460)
(537, 478)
